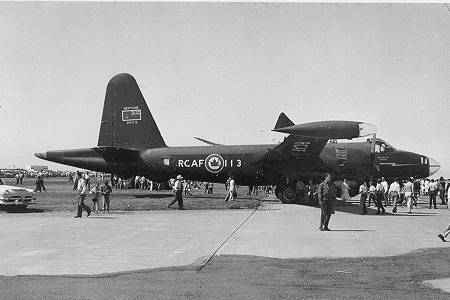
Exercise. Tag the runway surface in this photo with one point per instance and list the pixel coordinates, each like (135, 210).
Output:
(56, 243)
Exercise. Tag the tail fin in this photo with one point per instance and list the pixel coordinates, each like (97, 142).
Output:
(283, 121)
(126, 120)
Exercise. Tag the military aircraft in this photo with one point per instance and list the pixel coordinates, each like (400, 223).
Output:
(130, 144)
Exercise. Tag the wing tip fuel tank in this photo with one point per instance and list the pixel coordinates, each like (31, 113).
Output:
(331, 129)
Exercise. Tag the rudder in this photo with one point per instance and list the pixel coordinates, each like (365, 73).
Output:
(126, 119)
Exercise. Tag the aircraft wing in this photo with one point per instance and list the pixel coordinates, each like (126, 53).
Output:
(206, 141)
(296, 147)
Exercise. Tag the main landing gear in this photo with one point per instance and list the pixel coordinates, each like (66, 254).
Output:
(294, 193)
(287, 194)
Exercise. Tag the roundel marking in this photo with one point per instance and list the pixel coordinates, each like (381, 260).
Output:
(214, 163)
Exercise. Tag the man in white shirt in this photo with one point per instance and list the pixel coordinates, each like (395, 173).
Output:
(409, 190)
(380, 197)
(82, 190)
(231, 190)
(432, 191)
(394, 193)
(363, 194)
(385, 188)
(178, 190)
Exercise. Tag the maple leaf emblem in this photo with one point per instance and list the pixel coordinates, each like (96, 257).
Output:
(214, 162)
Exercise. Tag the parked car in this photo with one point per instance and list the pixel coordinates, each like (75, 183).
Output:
(16, 196)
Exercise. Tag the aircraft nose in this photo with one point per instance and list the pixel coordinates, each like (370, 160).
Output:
(42, 155)
(434, 166)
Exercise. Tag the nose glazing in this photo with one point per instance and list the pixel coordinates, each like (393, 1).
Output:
(434, 166)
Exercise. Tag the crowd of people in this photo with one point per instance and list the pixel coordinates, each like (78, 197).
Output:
(97, 193)
(375, 192)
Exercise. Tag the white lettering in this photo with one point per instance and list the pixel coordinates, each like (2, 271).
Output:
(231, 163)
(239, 163)
(186, 163)
(180, 163)
(200, 162)
(194, 164)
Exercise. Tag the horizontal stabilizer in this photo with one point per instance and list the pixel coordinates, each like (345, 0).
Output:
(117, 154)
(283, 121)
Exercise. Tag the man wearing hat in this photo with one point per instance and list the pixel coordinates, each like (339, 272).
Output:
(178, 190)
(81, 196)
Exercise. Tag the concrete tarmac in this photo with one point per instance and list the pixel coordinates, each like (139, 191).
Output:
(56, 243)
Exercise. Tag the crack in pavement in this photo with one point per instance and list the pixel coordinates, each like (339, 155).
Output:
(226, 240)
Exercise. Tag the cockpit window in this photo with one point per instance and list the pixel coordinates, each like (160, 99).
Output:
(381, 146)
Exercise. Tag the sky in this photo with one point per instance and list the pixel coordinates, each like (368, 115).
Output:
(224, 71)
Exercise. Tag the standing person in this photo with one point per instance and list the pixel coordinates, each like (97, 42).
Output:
(441, 190)
(210, 188)
(363, 198)
(41, 181)
(75, 181)
(38, 185)
(372, 193)
(231, 190)
(426, 187)
(447, 190)
(105, 190)
(327, 199)
(81, 196)
(416, 191)
(187, 188)
(21, 175)
(310, 192)
(432, 191)
(206, 184)
(17, 178)
(87, 180)
(386, 193)
(409, 193)
(394, 192)
(95, 191)
(178, 191)
(379, 197)
(345, 194)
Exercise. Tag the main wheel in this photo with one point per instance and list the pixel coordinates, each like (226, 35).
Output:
(290, 195)
(287, 195)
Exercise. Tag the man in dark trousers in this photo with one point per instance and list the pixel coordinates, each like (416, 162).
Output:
(106, 190)
(82, 190)
(327, 199)
(178, 190)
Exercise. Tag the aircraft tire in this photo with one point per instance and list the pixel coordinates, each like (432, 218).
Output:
(287, 195)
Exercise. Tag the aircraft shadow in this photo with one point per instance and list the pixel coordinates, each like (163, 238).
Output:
(356, 209)
(21, 210)
(154, 196)
(351, 208)
(413, 214)
(349, 230)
